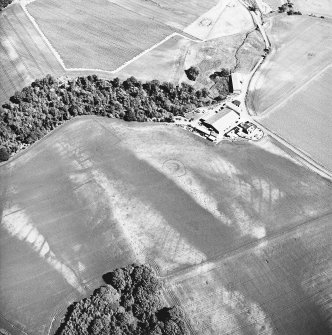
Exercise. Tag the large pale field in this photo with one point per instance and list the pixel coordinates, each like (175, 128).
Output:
(302, 47)
(96, 34)
(291, 92)
(24, 56)
(157, 194)
(305, 119)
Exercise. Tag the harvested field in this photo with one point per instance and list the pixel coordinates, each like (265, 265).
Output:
(302, 48)
(97, 34)
(24, 56)
(177, 14)
(92, 203)
(304, 119)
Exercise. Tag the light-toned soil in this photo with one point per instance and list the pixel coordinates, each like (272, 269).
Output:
(97, 34)
(145, 192)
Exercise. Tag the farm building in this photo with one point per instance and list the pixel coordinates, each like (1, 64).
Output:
(236, 82)
(222, 121)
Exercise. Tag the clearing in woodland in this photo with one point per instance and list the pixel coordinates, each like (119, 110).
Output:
(156, 194)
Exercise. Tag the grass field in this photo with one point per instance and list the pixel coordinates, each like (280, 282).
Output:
(24, 56)
(94, 203)
(96, 34)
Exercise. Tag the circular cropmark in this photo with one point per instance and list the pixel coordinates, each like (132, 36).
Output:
(174, 167)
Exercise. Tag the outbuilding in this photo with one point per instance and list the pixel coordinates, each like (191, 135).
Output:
(237, 82)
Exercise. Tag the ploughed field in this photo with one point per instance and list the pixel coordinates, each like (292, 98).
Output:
(207, 218)
(291, 91)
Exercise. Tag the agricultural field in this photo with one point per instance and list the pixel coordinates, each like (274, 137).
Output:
(277, 287)
(316, 7)
(290, 93)
(96, 34)
(24, 56)
(93, 203)
(273, 4)
(227, 18)
(176, 14)
(302, 48)
(304, 119)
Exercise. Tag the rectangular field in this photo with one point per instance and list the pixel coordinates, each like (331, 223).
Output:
(304, 119)
(96, 34)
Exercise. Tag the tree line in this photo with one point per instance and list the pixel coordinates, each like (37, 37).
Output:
(48, 102)
(4, 4)
(130, 304)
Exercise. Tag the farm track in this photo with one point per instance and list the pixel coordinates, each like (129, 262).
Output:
(188, 272)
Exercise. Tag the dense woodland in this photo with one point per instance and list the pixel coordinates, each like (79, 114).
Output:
(130, 303)
(48, 102)
(4, 4)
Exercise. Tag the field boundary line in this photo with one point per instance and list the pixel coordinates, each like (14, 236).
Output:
(217, 259)
(62, 63)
